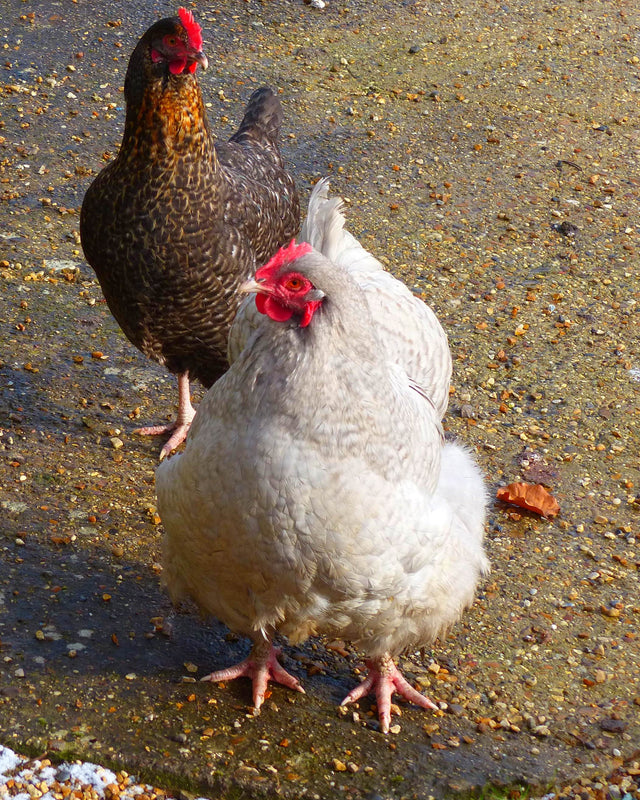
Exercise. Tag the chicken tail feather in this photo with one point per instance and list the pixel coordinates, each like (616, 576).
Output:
(262, 119)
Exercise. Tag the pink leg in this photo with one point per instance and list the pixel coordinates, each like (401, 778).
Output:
(384, 678)
(261, 665)
(180, 428)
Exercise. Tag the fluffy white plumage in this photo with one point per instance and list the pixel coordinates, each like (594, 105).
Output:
(315, 493)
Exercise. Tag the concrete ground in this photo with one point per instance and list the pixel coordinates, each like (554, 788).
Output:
(489, 154)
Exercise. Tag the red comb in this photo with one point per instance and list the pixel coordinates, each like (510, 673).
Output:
(285, 255)
(192, 28)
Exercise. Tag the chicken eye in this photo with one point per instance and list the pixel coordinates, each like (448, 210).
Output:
(294, 284)
(172, 41)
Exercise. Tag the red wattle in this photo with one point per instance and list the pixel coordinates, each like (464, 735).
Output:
(176, 67)
(261, 302)
(267, 305)
(309, 310)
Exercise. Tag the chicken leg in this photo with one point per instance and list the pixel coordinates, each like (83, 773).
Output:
(180, 428)
(384, 678)
(261, 665)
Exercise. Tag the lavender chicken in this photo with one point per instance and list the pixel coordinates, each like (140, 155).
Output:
(316, 493)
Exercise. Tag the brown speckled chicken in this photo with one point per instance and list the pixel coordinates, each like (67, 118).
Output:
(176, 222)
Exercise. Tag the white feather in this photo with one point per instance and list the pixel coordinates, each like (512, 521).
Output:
(315, 493)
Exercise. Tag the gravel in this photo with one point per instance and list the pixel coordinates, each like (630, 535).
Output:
(490, 155)
(39, 779)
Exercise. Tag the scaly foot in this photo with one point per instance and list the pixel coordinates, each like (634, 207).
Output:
(178, 429)
(261, 666)
(384, 679)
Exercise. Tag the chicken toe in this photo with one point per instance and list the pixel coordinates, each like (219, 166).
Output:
(178, 429)
(261, 665)
(384, 679)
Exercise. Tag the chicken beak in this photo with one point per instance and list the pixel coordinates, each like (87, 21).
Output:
(252, 287)
(201, 59)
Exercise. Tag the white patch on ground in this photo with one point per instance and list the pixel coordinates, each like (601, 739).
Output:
(27, 777)
(57, 265)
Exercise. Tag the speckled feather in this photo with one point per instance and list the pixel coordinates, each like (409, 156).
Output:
(315, 493)
(175, 223)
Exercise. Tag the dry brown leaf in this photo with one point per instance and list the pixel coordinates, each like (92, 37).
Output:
(532, 496)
